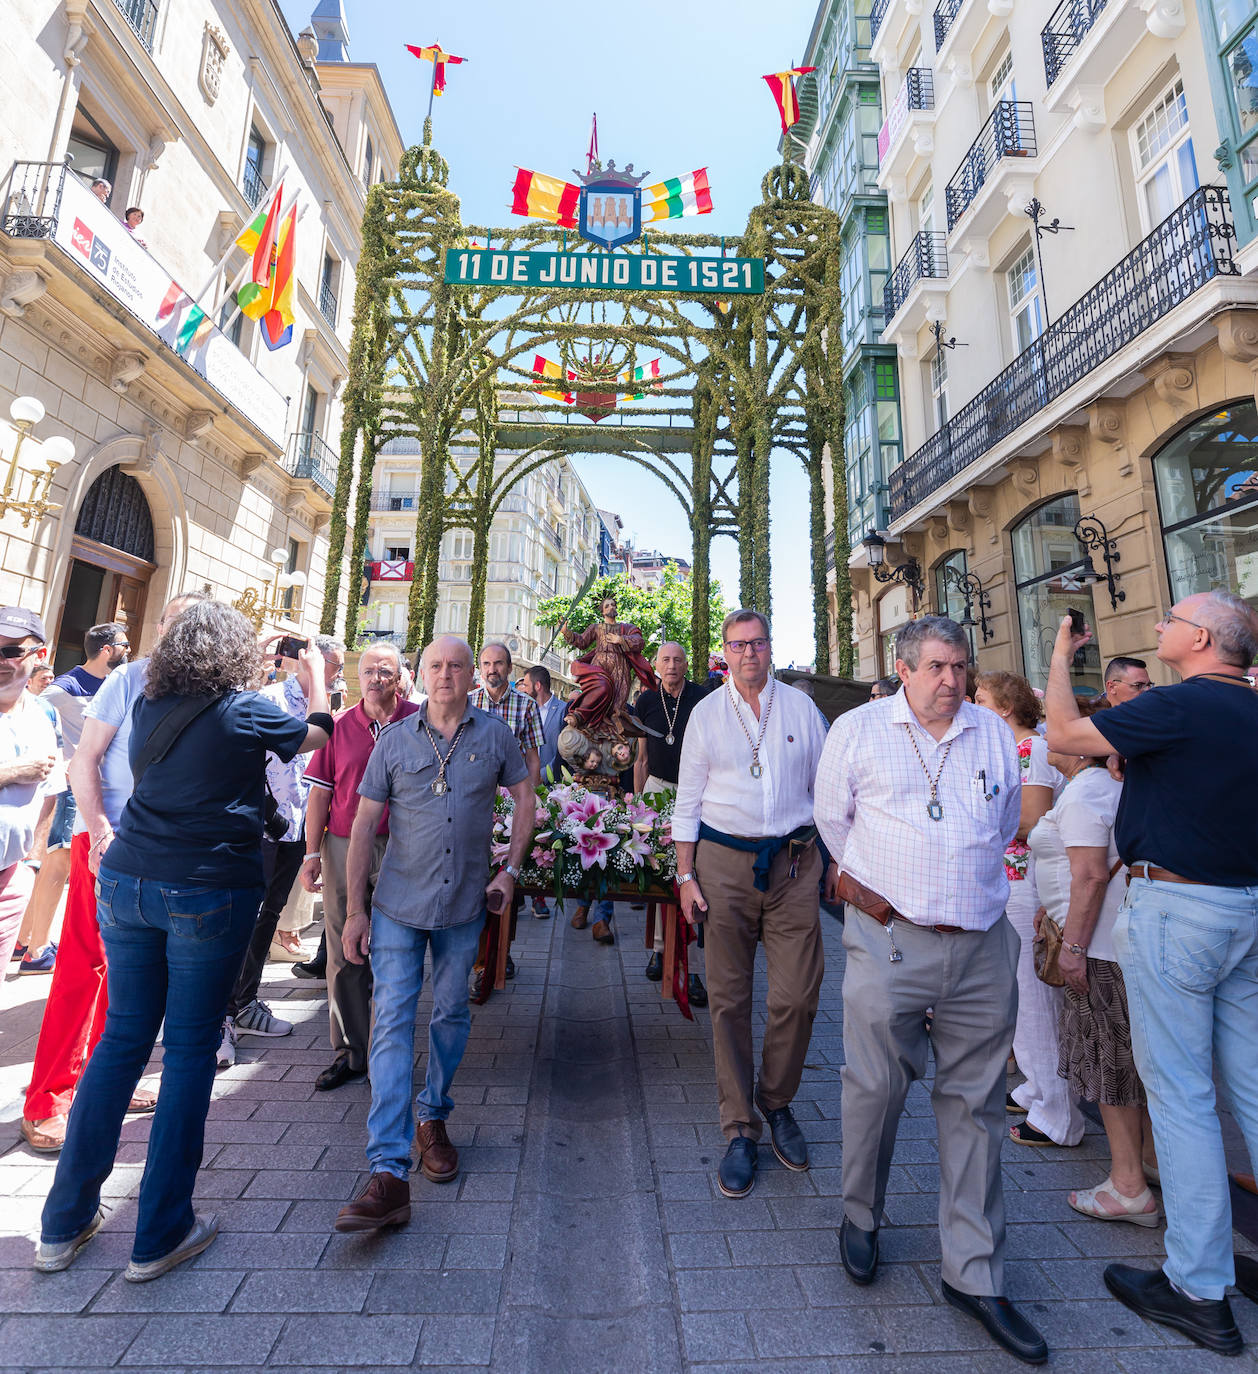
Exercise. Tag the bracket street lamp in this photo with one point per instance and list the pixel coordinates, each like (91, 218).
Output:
(1035, 212)
(909, 572)
(257, 605)
(1092, 534)
(26, 412)
(968, 584)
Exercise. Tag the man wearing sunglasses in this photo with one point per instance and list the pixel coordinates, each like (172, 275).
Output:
(31, 774)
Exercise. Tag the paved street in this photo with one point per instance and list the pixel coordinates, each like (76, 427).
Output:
(585, 1231)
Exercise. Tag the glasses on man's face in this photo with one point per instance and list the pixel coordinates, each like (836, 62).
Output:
(121, 644)
(1138, 686)
(380, 674)
(1168, 616)
(740, 646)
(16, 650)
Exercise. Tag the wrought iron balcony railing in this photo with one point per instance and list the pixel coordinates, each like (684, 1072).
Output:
(327, 303)
(308, 457)
(876, 15)
(391, 500)
(945, 12)
(1067, 27)
(927, 256)
(1191, 247)
(32, 199)
(919, 86)
(253, 185)
(1008, 132)
(142, 16)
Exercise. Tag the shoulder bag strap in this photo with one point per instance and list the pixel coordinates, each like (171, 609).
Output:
(166, 732)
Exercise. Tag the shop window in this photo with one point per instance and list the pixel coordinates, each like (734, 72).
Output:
(1048, 564)
(1166, 167)
(1207, 485)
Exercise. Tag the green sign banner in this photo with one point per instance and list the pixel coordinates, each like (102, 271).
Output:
(606, 271)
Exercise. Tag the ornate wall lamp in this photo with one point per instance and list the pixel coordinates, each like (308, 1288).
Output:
(909, 572)
(26, 413)
(258, 605)
(1092, 534)
(968, 584)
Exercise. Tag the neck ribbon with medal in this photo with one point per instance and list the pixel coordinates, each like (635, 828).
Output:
(934, 807)
(671, 738)
(755, 770)
(440, 785)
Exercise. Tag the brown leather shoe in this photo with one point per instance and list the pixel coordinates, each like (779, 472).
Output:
(385, 1201)
(45, 1137)
(602, 932)
(579, 917)
(438, 1159)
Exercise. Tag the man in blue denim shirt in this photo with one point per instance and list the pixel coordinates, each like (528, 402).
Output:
(1187, 936)
(438, 772)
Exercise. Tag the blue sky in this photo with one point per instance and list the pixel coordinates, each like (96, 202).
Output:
(676, 86)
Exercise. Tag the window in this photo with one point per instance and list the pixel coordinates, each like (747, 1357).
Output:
(1207, 485)
(293, 564)
(461, 545)
(1166, 168)
(1025, 309)
(1048, 563)
(253, 183)
(235, 329)
(926, 211)
(327, 289)
(1002, 85)
(400, 553)
(951, 598)
(939, 387)
(310, 411)
(1237, 102)
(94, 153)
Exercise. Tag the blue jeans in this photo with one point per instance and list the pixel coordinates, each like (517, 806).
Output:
(397, 969)
(1189, 957)
(173, 952)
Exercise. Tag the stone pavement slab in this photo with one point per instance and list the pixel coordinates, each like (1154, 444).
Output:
(585, 1232)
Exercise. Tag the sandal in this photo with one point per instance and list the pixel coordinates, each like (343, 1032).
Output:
(142, 1101)
(1012, 1106)
(1136, 1209)
(1026, 1134)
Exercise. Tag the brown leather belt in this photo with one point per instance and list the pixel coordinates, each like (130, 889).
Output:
(1160, 875)
(943, 930)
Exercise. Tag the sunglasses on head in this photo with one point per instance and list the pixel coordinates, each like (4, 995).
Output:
(17, 651)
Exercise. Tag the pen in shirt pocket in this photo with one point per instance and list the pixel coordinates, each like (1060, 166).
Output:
(980, 782)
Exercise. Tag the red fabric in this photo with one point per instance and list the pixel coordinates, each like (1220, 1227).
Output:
(74, 1014)
(681, 967)
(342, 761)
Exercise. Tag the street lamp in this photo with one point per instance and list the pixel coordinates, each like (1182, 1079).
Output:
(1092, 534)
(257, 605)
(26, 412)
(909, 572)
(968, 584)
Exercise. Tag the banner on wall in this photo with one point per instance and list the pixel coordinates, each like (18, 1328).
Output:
(90, 234)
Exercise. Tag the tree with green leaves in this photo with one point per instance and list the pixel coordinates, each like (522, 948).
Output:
(661, 613)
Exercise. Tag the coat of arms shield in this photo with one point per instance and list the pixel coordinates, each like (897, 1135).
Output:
(610, 211)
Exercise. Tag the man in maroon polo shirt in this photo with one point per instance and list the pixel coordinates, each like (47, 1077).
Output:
(335, 772)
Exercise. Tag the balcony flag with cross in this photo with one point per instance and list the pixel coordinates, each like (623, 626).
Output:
(782, 84)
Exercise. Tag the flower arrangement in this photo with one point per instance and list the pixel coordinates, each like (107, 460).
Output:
(585, 845)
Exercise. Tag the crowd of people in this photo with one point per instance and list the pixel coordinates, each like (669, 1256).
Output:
(966, 829)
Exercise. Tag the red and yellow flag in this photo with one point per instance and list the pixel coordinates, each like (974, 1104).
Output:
(279, 315)
(438, 56)
(543, 367)
(543, 197)
(782, 85)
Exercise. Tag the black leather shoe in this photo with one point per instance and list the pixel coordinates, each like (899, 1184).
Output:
(655, 967)
(859, 1252)
(788, 1140)
(510, 967)
(737, 1175)
(338, 1072)
(1149, 1293)
(1002, 1322)
(1247, 1276)
(696, 992)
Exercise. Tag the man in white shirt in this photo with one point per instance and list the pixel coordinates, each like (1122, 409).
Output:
(917, 797)
(742, 826)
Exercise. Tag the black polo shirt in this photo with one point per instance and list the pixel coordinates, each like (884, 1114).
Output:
(663, 759)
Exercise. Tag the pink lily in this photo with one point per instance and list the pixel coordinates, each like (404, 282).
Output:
(637, 848)
(592, 846)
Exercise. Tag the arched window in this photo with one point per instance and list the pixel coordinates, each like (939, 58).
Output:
(1207, 485)
(1047, 562)
(115, 512)
(949, 596)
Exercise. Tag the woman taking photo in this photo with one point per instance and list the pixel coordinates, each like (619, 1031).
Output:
(178, 889)
(1053, 1117)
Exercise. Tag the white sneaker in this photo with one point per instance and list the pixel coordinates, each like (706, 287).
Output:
(227, 1045)
(256, 1019)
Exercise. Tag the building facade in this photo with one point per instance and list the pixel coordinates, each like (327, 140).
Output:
(199, 452)
(1075, 314)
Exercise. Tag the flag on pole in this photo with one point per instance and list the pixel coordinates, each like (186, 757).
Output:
(591, 156)
(678, 196)
(188, 326)
(543, 367)
(542, 197)
(782, 84)
(437, 55)
(258, 238)
(644, 374)
(278, 317)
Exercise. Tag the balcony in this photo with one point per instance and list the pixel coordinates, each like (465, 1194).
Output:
(309, 459)
(553, 536)
(392, 570)
(512, 505)
(945, 16)
(142, 16)
(252, 184)
(327, 303)
(1086, 41)
(967, 33)
(925, 261)
(876, 15)
(994, 179)
(392, 501)
(907, 138)
(1189, 248)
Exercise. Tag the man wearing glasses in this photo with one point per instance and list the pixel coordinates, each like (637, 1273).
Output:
(1186, 936)
(334, 774)
(1125, 679)
(30, 773)
(749, 867)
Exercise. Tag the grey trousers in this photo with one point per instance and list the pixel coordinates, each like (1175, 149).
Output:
(970, 980)
(349, 985)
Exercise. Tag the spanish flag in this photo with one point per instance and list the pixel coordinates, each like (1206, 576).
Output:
(782, 85)
(437, 55)
(678, 196)
(542, 197)
(543, 367)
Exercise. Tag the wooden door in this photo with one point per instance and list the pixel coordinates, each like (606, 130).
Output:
(128, 597)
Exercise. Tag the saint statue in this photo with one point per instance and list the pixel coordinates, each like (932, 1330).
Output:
(605, 673)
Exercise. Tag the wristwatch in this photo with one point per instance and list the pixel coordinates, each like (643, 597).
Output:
(512, 870)
(683, 878)
(1077, 949)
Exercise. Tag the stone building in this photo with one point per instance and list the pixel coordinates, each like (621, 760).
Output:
(198, 451)
(1076, 319)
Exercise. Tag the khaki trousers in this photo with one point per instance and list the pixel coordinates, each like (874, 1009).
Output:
(970, 981)
(786, 919)
(349, 985)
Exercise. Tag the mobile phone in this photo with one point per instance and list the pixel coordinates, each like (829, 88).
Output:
(334, 700)
(1077, 625)
(290, 646)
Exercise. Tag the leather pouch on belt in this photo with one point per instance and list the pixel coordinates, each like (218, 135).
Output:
(858, 895)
